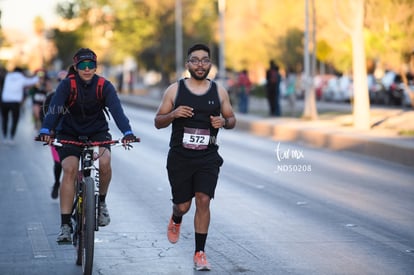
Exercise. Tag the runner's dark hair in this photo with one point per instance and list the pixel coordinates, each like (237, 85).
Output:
(197, 47)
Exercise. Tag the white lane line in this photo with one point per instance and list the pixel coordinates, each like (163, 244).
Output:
(38, 240)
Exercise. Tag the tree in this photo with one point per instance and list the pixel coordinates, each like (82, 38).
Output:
(255, 31)
(354, 27)
(310, 111)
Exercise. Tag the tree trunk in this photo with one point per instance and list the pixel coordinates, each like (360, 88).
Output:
(361, 109)
(310, 111)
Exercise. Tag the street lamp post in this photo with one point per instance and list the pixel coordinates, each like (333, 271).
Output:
(222, 65)
(178, 39)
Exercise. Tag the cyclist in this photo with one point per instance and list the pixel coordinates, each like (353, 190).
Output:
(197, 107)
(85, 117)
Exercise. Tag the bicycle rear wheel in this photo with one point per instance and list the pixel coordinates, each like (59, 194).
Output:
(88, 225)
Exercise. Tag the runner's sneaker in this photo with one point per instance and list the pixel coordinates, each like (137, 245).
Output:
(103, 216)
(200, 261)
(65, 236)
(173, 232)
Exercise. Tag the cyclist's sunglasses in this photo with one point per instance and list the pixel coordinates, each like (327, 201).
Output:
(86, 64)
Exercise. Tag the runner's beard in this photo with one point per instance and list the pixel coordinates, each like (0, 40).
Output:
(196, 76)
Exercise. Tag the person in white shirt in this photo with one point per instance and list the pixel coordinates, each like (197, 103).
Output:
(11, 99)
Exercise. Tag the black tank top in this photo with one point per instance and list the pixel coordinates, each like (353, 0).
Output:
(204, 105)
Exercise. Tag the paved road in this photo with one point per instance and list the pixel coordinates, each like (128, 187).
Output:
(280, 209)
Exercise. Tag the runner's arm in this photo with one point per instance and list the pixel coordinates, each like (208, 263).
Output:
(229, 120)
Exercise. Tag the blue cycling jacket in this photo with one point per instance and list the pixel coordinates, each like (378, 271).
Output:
(86, 116)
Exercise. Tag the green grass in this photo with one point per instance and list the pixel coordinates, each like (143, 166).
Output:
(406, 133)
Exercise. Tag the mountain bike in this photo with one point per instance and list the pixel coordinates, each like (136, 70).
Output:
(86, 202)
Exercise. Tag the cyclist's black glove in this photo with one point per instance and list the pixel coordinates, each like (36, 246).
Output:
(127, 139)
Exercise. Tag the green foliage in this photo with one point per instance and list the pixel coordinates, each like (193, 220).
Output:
(66, 10)
(323, 50)
(291, 48)
(66, 43)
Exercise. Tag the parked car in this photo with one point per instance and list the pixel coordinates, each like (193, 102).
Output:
(320, 83)
(330, 89)
(376, 90)
(394, 91)
(338, 88)
(408, 98)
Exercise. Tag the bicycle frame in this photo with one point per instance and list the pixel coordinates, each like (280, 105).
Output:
(89, 167)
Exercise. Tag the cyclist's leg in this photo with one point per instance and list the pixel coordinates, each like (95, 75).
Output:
(105, 175)
(67, 193)
(67, 190)
(105, 170)
(69, 156)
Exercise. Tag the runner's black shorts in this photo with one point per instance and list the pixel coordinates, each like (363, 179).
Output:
(73, 150)
(190, 175)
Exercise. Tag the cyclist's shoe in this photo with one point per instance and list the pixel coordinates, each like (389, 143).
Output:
(55, 191)
(65, 236)
(103, 215)
(173, 232)
(200, 261)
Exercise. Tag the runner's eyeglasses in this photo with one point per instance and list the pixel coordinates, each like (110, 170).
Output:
(196, 62)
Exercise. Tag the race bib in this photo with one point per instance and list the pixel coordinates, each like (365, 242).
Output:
(39, 97)
(196, 139)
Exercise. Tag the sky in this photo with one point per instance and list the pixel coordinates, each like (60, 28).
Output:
(20, 14)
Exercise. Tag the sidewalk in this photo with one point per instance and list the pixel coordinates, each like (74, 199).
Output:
(331, 130)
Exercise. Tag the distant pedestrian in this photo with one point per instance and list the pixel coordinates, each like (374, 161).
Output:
(57, 165)
(273, 79)
(243, 89)
(38, 94)
(3, 73)
(11, 99)
(291, 90)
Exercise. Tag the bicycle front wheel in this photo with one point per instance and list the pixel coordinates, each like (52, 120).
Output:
(88, 225)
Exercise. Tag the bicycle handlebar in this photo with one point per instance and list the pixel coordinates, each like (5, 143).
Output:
(88, 143)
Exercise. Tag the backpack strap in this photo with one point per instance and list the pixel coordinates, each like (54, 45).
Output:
(99, 94)
(99, 88)
(73, 91)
